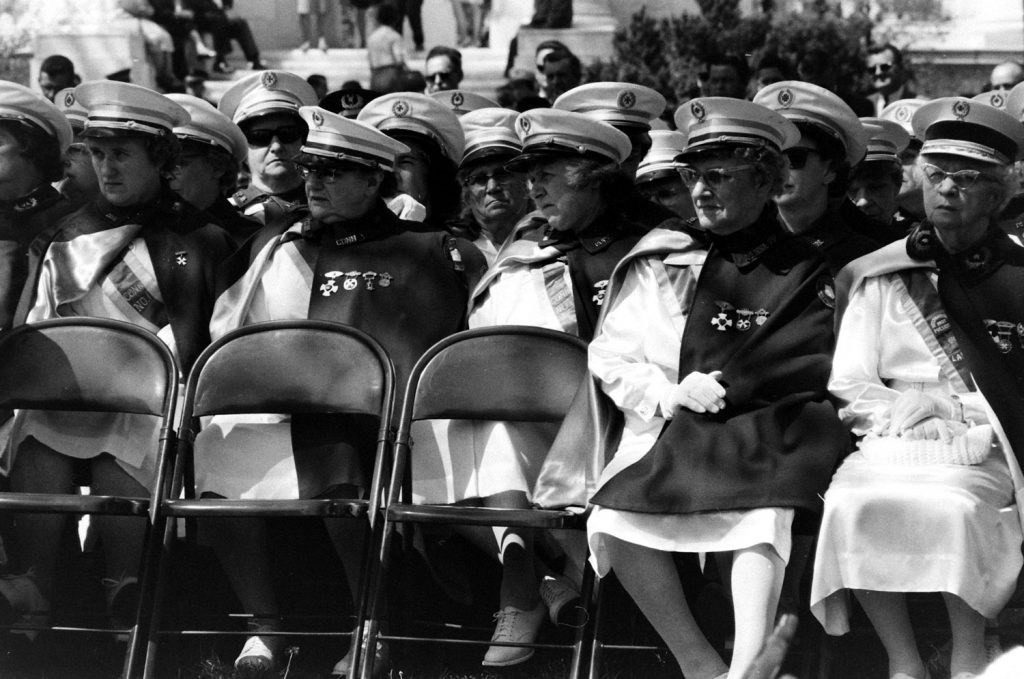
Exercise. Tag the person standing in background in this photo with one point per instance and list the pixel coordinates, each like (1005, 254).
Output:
(386, 51)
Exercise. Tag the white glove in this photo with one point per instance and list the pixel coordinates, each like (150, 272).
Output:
(699, 392)
(913, 406)
(930, 429)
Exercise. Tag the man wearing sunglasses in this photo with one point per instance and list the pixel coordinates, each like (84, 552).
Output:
(266, 107)
(813, 203)
(889, 78)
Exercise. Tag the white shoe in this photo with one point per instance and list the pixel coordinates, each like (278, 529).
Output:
(322, 44)
(514, 626)
(304, 46)
(256, 656)
(557, 592)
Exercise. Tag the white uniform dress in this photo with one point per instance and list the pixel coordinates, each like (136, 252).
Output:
(635, 356)
(476, 459)
(73, 282)
(897, 527)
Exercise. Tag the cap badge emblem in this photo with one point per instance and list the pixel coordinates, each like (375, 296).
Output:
(69, 99)
(698, 111)
(350, 101)
(961, 108)
(317, 118)
(785, 97)
(997, 101)
(400, 108)
(903, 113)
(627, 99)
(524, 124)
(457, 99)
(268, 79)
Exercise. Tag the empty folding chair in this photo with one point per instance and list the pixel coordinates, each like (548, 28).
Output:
(102, 366)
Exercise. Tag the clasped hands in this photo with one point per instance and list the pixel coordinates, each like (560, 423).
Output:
(915, 415)
(699, 392)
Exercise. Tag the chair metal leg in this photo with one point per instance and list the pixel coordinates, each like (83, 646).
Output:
(584, 635)
(596, 646)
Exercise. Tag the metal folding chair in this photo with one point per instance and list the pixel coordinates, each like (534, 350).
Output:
(97, 365)
(503, 373)
(293, 367)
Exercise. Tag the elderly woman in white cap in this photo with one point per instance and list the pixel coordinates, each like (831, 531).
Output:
(719, 363)
(33, 136)
(212, 147)
(553, 277)
(350, 260)
(494, 198)
(929, 369)
(137, 253)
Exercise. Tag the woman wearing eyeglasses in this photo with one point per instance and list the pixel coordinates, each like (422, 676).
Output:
(718, 360)
(494, 199)
(928, 368)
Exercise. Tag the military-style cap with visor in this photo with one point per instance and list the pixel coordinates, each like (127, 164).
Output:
(265, 93)
(337, 138)
(117, 108)
(209, 126)
(18, 102)
(711, 123)
(622, 105)
(660, 161)
(462, 102)
(807, 104)
(550, 132)
(490, 134)
(886, 140)
(962, 127)
(420, 115)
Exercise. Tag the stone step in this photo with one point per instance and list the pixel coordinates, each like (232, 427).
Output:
(483, 68)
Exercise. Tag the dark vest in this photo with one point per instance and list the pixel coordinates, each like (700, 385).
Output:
(761, 314)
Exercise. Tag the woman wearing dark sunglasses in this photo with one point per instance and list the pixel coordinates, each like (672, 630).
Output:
(718, 360)
(265, 106)
(813, 203)
(928, 368)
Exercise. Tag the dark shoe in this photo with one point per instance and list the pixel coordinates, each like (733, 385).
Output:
(257, 66)
(380, 663)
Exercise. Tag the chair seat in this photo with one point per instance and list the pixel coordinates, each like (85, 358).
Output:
(324, 507)
(47, 503)
(485, 516)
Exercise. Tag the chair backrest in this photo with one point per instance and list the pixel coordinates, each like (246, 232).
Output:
(86, 364)
(501, 373)
(300, 366)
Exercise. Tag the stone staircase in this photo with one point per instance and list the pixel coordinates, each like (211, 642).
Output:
(483, 68)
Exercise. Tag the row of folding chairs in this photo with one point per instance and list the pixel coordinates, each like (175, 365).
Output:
(507, 373)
